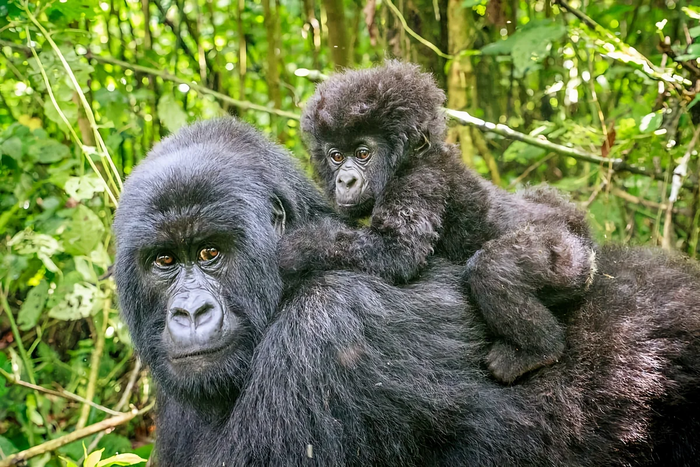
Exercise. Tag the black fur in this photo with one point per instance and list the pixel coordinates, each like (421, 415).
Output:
(342, 369)
(534, 249)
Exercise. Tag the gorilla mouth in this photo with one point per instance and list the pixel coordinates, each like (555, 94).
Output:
(200, 352)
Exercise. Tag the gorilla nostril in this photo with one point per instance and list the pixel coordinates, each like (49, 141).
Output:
(203, 314)
(181, 317)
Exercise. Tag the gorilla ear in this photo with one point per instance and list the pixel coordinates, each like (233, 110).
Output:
(279, 215)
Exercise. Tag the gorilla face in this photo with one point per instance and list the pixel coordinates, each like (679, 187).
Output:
(356, 171)
(196, 267)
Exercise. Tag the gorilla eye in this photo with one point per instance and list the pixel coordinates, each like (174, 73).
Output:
(362, 153)
(164, 260)
(208, 254)
(336, 156)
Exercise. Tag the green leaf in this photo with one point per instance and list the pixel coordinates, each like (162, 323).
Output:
(121, 459)
(85, 269)
(28, 242)
(77, 304)
(83, 233)
(12, 147)
(694, 32)
(31, 309)
(69, 463)
(528, 45)
(522, 152)
(651, 122)
(92, 459)
(691, 53)
(7, 447)
(85, 187)
(692, 11)
(171, 113)
(48, 151)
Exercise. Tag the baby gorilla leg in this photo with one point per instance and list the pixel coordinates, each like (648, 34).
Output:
(504, 279)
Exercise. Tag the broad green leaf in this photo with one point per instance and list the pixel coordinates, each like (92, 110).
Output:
(171, 113)
(83, 232)
(7, 447)
(48, 151)
(121, 459)
(85, 187)
(528, 45)
(31, 309)
(12, 147)
(77, 304)
(69, 463)
(694, 32)
(69, 109)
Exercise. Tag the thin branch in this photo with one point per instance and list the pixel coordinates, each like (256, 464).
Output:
(123, 401)
(540, 141)
(95, 364)
(527, 171)
(62, 394)
(679, 174)
(245, 105)
(52, 445)
(420, 39)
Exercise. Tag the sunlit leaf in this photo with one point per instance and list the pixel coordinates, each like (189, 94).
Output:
(85, 187)
(121, 459)
(171, 113)
(83, 232)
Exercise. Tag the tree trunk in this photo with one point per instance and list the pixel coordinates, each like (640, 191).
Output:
(337, 34)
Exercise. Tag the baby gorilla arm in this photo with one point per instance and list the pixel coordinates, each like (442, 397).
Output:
(511, 276)
(404, 229)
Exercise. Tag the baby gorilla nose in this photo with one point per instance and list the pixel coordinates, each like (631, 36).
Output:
(347, 180)
(195, 320)
(349, 185)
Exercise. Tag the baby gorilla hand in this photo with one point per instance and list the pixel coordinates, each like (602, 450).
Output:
(314, 247)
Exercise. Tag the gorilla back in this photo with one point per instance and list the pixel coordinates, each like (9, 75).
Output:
(343, 369)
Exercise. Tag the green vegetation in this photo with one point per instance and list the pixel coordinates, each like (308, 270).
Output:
(595, 97)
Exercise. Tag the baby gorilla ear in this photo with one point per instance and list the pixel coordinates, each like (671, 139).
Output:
(279, 215)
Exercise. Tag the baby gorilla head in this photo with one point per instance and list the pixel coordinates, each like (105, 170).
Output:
(196, 269)
(361, 125)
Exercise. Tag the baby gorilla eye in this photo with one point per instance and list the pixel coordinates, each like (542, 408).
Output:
(362, 153)
(336, 156)
(208, 254)
(164, 260)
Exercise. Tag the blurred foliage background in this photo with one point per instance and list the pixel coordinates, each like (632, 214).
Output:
(595, 97)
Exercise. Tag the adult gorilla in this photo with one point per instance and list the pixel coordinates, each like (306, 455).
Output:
(342, 369)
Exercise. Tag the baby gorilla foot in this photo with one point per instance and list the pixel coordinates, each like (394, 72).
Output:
(507, 362)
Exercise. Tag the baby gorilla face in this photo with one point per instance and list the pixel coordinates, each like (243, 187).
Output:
(358, 174)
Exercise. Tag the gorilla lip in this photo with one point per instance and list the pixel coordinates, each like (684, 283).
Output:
(201, 353)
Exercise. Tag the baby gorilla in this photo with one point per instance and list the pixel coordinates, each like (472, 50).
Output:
(376, 139)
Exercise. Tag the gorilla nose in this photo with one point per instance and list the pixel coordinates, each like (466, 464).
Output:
(347, 181)
(195, 319)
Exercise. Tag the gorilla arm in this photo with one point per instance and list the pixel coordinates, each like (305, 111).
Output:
(405, 226)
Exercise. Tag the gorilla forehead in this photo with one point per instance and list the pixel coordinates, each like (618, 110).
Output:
(393, 99)
(185, 194)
